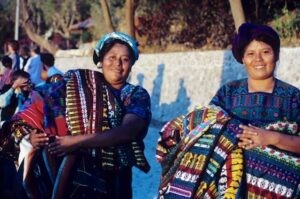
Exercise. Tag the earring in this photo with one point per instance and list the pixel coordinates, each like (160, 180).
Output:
(99, 65)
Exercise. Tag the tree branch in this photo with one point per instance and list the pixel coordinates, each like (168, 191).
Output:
(29, 29)
(106, 15)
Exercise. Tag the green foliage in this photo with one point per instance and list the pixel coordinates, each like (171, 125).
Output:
(7, 18)
(288, 24)
(283, 15)
(117, 3)
(206, 24)
(189, 22)
(86, 36)
(117, 17)
(84, 8)
(99, 28)
(7, 15)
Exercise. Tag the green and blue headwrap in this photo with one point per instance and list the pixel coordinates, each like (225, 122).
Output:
(120, 36)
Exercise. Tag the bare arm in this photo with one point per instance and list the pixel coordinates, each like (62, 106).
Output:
(132, 126)
(287, 142)
(256, 137)
(128, 131)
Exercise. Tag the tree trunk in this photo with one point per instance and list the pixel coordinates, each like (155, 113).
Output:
(29, 29)
(237, 13)
(106, 15)
(129, 17)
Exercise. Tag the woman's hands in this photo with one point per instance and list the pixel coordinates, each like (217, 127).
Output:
(253, 136)
(19, 82)
(59, 146)
(38, 140)
(63, 145)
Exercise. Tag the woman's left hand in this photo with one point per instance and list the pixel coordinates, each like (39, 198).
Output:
(253, 136)
(63, 145)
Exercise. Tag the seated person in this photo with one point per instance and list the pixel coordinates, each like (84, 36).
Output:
(12, 97)
(14, 94)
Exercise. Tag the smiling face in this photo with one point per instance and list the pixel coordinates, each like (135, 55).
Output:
(116, 65)
(259, 60)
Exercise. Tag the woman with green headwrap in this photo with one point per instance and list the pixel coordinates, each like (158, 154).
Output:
(107, 120)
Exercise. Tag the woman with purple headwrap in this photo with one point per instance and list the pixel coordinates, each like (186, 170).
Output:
(245, 144)
(268, 114)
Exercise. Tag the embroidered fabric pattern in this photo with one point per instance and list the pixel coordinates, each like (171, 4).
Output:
(191, 163)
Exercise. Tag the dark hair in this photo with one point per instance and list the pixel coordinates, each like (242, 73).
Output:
(25, 49)
(20, 73)
(6, 61)
(248, 32)
(35, 48)
(14, 45)
(47, 59)
(107, 46)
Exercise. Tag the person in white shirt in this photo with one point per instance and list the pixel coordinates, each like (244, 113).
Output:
(24, 55)
(34, 66)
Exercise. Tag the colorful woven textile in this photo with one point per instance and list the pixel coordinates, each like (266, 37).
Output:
(54, 97)
(269, 172)
(203, 161)
(273, 173)
(192, 150)
(43, 111)
(91, 107)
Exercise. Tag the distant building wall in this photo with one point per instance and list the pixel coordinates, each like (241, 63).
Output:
(177, 82)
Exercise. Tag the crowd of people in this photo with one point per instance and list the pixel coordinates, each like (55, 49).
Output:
(25, 72)
(78, 134)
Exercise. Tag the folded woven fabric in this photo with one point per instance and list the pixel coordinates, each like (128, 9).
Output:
(200, 159)
(192, 150)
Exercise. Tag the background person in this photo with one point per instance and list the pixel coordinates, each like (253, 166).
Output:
(34, 65)
(48, 69)
(12, 51)
(12, 96)
(5, 77)
(25, 55)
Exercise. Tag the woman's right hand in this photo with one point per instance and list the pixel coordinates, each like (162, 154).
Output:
(19, 82)
(253, 136)
(38, 140)
(63, 145)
